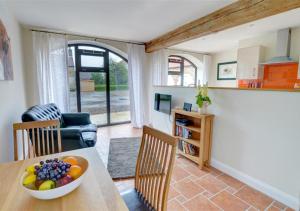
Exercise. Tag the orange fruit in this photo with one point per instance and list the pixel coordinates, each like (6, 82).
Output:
(75, 171)
(71, 160)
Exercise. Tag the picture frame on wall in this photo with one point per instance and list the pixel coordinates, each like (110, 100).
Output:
(6, 67)
(227, 70)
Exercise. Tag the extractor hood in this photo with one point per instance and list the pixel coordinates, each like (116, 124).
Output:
(283, 47)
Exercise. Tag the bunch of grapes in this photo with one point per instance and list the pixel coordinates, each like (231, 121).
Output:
(52, 169)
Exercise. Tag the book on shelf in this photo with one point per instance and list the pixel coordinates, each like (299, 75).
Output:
(183, 132)
(187, 148)
(183, 122)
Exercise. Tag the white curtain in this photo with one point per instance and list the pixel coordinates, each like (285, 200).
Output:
(138, 85)
(159, 67)
(206, 67)
(50, 56)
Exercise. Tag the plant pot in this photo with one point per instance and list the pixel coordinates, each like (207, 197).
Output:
(203, 109)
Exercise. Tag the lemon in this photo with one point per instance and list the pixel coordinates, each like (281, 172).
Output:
(31, 169)
(29, 179)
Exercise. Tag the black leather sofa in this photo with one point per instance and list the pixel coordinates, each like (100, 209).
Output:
(77, 131)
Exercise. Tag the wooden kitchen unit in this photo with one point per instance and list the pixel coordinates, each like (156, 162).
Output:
(195, 138)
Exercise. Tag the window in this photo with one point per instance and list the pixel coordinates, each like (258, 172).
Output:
(98, 84)
(181, 72)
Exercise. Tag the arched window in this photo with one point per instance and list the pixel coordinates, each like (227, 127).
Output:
(98, 81)
(181, 71)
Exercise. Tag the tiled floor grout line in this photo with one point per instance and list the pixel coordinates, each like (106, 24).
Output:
(215, 204)
(232, 195)
(213, 195)
(285, 207)
(252, 208)
(239, 189)
(272, 204)
(247, 202)
(250, 205)
(198, 194)
(269, 205)
(181, 204)
(183, 197)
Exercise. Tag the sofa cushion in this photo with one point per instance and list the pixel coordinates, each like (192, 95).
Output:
(42, 112)
(71, 119)
(84, 128)
(89, 138)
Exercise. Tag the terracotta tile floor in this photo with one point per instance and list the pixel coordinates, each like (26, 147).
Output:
(193, 189)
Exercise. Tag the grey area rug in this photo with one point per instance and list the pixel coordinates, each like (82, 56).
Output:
(122, 157)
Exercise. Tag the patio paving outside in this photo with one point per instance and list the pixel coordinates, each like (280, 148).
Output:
(95, 103)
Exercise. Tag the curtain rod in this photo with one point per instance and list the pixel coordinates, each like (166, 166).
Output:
(95, 38)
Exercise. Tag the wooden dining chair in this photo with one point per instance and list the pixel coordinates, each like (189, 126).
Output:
(37, 138)
(153, 172)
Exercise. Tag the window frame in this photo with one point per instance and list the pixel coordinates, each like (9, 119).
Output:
(181, 72)
(105, 69)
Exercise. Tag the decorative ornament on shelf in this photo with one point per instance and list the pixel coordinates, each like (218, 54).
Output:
(202, 99)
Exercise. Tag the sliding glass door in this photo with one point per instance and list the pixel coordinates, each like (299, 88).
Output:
(98, 82)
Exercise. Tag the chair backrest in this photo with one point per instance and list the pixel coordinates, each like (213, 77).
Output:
(39, 137)
(154, 167)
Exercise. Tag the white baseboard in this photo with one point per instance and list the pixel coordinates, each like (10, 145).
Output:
(265, 188)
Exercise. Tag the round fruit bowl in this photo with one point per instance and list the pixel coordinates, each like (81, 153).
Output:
(62, 190)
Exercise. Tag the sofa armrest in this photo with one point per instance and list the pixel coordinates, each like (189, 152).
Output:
(73, 119)
(72, 139)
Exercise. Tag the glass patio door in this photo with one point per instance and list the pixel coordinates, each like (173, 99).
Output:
(98, 81)
(92, 93)
(93, 96)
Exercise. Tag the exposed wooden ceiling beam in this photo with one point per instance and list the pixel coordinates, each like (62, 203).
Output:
(237, 13)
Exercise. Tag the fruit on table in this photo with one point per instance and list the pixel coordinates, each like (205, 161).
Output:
(38, 183)
(75, 171)
(52, 173)
(63, 181)
(71, 160)
(47, 185)
(29, 179)
(52, 169)
(31, 169)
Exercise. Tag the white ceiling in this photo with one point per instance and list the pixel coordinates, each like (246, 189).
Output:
(134, 20)
(228, 39)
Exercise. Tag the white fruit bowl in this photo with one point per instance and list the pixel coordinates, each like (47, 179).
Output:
(60, 191)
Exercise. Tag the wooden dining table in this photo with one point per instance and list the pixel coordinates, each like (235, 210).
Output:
(97, 191)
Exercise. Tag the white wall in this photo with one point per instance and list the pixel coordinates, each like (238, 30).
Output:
(12, 93)
(225, 56)
(255, 133)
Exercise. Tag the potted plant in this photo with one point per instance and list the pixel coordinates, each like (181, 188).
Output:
(202, 99)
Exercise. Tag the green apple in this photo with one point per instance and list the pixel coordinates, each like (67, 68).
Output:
(47, 185)
(29, 179)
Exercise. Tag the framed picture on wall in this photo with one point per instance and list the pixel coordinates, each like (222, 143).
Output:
(227, 71)
(6, 68)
